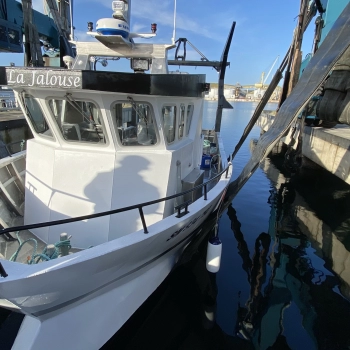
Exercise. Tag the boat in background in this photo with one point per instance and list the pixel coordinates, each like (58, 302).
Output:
(116, 182)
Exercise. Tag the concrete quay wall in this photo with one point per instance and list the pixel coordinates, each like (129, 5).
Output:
(329, 148)
(326, 241)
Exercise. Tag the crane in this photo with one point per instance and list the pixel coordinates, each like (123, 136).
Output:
(263, 81)
(32, 49)
(33, 54)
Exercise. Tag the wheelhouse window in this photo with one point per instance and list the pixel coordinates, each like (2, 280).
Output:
(36, 116)
(169, 122)
(189, 118)
(182, 120)
(135, 123)
(78, 120)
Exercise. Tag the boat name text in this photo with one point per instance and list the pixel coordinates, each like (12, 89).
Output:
(38, 78)
(192, 222)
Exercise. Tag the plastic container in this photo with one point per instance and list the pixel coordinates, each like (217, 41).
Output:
(206, 160)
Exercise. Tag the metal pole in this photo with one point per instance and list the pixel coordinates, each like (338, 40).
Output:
(174, 32)
(222, 103)
(143, 220)
(71, 20)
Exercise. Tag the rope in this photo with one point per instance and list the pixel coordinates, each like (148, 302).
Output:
(35, 258)
(21, 244)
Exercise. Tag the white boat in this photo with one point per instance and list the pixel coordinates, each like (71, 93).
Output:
(117, 163)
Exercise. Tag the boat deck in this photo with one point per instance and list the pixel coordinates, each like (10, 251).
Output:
(9, 246)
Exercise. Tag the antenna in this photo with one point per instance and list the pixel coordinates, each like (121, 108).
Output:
(264, 80)
(174, 32)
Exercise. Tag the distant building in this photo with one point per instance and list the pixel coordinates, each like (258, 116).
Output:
(213, 94)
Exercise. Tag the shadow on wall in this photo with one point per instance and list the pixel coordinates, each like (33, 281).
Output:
(126, 185)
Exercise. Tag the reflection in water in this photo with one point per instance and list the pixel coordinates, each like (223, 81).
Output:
(294, 284)
(181, 313)
(290, 269)
(294, 299)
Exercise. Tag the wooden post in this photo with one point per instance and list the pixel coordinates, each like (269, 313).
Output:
(297, 57)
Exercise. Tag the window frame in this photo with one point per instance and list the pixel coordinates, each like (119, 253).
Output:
(60, 131)
(188, 128)
(182, 121)
(114, 122)
(32, 124)
(175, 124)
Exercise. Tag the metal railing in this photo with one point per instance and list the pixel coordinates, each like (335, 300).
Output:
(121, 210)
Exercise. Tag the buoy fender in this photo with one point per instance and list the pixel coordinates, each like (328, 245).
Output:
(214, 250)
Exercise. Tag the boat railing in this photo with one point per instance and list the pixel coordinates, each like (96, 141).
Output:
(140, 207)
(8, 149)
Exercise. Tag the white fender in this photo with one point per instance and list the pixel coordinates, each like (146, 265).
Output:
(214, 250)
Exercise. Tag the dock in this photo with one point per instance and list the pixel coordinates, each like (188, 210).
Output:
(329, 148)
(13, 130)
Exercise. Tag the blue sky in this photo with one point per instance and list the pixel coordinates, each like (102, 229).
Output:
(264, 30)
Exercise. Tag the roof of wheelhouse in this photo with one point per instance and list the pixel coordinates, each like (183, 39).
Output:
(144, 84)
(159, 82)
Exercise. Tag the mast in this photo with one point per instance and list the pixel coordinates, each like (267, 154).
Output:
(222, 103)
(32, 48)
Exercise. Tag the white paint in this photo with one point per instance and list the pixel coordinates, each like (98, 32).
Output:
(137, 256)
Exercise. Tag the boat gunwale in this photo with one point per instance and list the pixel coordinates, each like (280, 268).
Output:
(17, 270)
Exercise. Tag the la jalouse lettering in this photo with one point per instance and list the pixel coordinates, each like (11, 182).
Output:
(44, 79)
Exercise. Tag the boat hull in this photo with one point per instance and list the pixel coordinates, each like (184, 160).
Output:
(89, 324)
(89, 295)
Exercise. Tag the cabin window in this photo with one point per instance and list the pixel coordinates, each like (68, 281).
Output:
(36, 116)
(135, 124)
(78, 120)
(182, 120)
(189, 118)
(169, 122)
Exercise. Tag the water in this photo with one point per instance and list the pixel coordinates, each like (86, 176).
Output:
(285, 272)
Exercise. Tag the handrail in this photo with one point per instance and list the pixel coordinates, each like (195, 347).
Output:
(115, 211)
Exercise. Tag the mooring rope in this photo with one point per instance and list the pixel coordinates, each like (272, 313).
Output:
(35, 258)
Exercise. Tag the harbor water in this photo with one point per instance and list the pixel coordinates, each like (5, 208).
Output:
(285, 269)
